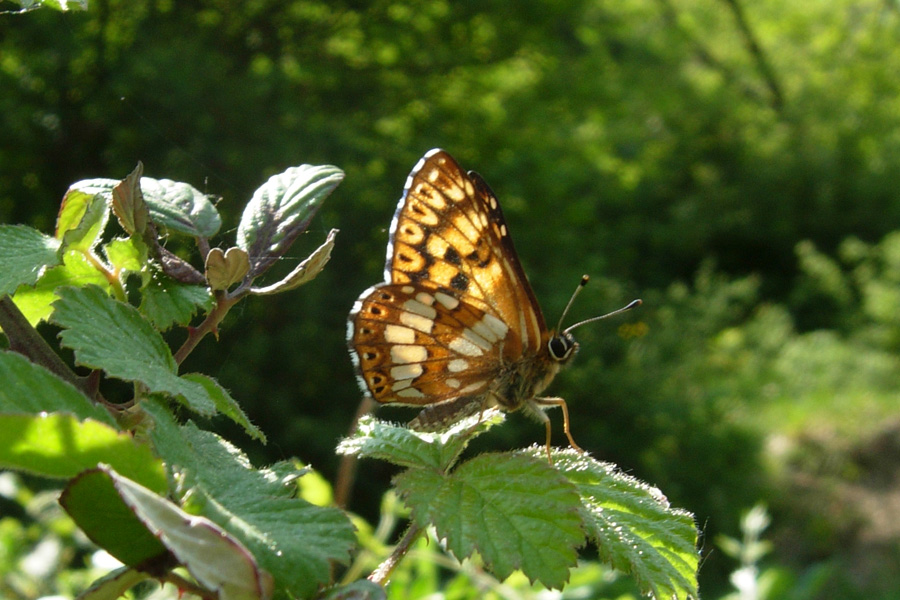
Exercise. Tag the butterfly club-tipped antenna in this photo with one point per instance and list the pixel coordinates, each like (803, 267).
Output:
(563, 343)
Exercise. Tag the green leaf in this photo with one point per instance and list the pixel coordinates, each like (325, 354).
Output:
(174, 205)
(634, 527)
(406, 447)
(60, 446)
(305, 272)
(26, 252)
(180, 207)
(82, 217)
(36, 302)
(96, 507)
(167, 302)
(281, 210)
(113, 336)
(124, 255)
(294, 540)
(515, 510)
(114, 584)
(31, 389)
(225, 404)
(147, 528)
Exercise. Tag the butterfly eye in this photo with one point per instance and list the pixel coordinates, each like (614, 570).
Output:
(562, 346)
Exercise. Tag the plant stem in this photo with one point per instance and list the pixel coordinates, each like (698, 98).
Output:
(346, 474)
(24, 339)
(209, 325)
(383, 572)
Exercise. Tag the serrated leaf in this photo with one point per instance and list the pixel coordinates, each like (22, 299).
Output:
(111, 335)
(281, 210)
(82, 217)
(224, 269)
(634, 527)
(225, 404)
(36, 301)
(515, 510)
(124, 255)
(128, 203)
(180, 207)
(31, 389)
(60, 446)
(166, 302)
(294, 540)
(305, 272)
(406, 447)
(26, 252)
(216, 559)
(175, 205)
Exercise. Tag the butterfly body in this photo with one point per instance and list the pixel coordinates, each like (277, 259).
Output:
(455, 327)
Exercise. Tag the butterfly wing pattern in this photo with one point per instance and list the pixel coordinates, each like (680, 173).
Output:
(455, 327)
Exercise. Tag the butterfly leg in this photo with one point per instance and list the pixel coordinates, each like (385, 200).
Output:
(561, 403)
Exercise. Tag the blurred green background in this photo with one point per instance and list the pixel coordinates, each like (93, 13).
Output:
(733, 163)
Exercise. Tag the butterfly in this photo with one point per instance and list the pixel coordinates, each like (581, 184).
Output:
(455, 327)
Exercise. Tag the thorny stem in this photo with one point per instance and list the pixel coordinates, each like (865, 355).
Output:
(383, 572)
(210, 324)
(184, 585)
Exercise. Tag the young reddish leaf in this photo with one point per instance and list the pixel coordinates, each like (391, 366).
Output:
(224, 269)
(128, 203)
(305, 271)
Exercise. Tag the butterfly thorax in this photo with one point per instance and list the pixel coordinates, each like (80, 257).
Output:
(524, 379)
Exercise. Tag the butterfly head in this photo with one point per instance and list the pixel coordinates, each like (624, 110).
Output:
(562, 347)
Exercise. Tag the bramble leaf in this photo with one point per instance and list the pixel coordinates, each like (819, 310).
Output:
(257, 506)
(31, 389)
(224, 269)
(26, 253)
(58, 445)
(82, 217)
(281, 209)
(149, 528)
(406, 447)
(515, 510)
(305, 272)
(634, 527)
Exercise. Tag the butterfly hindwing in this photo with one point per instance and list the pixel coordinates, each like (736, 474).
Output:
(419, 347)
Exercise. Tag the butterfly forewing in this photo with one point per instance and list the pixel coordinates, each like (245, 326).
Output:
(449, 233)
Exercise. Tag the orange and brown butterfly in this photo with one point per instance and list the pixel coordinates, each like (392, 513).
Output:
(455, 326)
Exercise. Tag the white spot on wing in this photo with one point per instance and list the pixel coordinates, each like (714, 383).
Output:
(446, 300)
(406, 371)
(457, 364)
(396, 334)
(410, 392)
(408, 354)
(423, 324)
(463, 346)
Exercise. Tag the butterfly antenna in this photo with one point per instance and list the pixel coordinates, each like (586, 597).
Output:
(581, 284)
